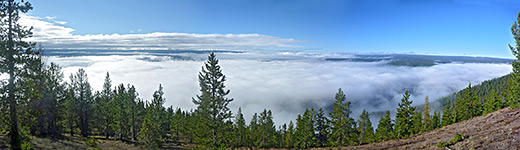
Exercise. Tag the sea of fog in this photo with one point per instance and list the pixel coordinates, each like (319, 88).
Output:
(285, 83)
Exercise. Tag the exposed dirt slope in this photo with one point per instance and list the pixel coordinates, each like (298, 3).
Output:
(497, 130)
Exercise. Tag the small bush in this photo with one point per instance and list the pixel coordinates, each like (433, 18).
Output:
(457, 138)
(442, 144)
(91, 142)
(27, 146)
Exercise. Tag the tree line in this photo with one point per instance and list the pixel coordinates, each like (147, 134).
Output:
(37, 101)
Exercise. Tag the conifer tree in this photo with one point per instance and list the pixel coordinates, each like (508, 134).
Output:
(266, 129)
(514, 85)
(322, 129)
(212, 104)
(82, 93)
(385, 128)
(435, 121)
(366, 134)
(14, 52)
(304, 134)
(426, 115)
(447, 115)
(492, 103)
(150, 132)
(342, 125)
(417, 122)
(289, 136)
(103, 103)
(403, 121)
(240, 129)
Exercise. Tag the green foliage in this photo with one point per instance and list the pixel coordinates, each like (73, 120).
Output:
(492, 103)
(427, 120)
(322, 128)
(447, 115)
(366, 131)
(435, 121)
(304, 134)
(150, 132)
(212, 104)
(416, 123)
(82, 95)
(342, 125)
(514, 85)
(91, 142)
(403, 123)
(458, 137)
(385, 128)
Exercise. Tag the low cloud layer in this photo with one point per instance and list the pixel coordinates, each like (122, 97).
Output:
(52, 34)
(286, 86)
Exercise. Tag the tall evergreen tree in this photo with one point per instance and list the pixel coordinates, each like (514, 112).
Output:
(416, 123)
(240, 129)
(426, 115)
(82, 92)
(14, 52)
(289, 136)
(322, 129)
(435, 121)
(304, 134)
(492, 103)
(366, 134)
(385, 128)
(104, 103)
(447, 115)
(212, 104)
(267, 129)
(150, 132)
(403, 121)
(342, 125)
(514, 85)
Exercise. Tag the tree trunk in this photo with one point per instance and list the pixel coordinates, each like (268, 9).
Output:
(14, 133)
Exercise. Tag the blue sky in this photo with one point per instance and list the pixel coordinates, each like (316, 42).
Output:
(448, 27)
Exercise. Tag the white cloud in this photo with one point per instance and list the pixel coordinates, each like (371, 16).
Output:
(288, 85)
(56, 36)
(61, 22)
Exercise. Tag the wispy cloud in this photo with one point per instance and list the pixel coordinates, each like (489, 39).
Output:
(52, 34)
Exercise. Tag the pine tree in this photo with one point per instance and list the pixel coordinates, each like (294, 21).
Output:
(322, 129)
(304, 134)
(82, 93)
(447, 115)
(492, 103)
(342, 126)
(240, 129)
(514, 85)
(385, 128)
(14, 54)
(426, 115)
(289, 136)
(366, 134)
(253, 135)
(150, 132)
(103, 103)
(403, 121)
(212, 104)
(267, 129)
(435, 121)
(416, 122)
